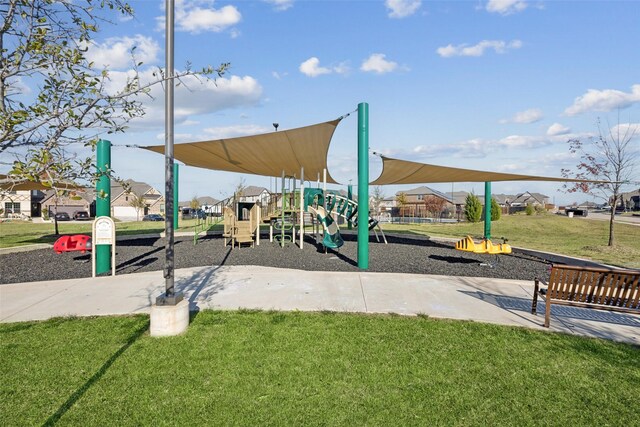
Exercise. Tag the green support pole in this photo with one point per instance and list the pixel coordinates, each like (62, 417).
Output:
(103, 201)
(363, 185)
(487, 210)
(349, 197)
(176, 207)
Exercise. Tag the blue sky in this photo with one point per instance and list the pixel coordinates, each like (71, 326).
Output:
(492, 85)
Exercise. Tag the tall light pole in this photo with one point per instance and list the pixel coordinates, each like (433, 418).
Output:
(170, 297)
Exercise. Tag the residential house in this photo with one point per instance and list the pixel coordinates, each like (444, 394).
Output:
(415, 197)
(123, 199)
(70, 202)
(20, 203)
(632, 200)
(253, 194)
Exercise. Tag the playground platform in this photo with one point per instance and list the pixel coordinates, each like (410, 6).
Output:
(490, 300)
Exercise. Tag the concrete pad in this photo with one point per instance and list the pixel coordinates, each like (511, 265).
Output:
(505, 302)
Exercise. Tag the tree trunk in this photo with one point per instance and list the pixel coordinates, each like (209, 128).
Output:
(611, 218)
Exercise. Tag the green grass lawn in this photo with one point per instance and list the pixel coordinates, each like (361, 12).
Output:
(18, 233)
(579, 237)
(270, 368)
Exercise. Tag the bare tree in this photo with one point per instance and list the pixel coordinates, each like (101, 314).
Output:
(45, 42)
(434, 205)
(376, 200)
(610, 157)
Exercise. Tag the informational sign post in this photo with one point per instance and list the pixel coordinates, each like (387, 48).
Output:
(104, 233)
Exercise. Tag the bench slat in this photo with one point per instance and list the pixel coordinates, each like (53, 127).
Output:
(634, 302)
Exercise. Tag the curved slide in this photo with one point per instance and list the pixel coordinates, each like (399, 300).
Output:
(332, 238)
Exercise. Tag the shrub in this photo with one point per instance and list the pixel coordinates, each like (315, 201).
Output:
(529, 210)
(496, 210)
(472, 208)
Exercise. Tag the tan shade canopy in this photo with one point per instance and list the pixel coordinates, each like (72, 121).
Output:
(10, 184)
(396, 171)
(268, 154)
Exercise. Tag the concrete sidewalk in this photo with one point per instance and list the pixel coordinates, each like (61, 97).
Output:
(505, 302)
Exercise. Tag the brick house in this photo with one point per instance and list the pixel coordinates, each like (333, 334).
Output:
(20, 203)
(415, 202)
(122, 199)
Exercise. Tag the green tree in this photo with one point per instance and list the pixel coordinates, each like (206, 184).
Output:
(138, 203)
(472, 208)
(44, 43)
(194, 203)
(496, 210)
(611, 158)
(529, 210)
(402, 201)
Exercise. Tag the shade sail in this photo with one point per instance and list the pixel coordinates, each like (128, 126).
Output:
(396, 171)
(267, 154)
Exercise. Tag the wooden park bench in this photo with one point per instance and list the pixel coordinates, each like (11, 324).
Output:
(599, 288)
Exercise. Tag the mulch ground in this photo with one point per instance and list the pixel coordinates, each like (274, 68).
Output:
(403, 254)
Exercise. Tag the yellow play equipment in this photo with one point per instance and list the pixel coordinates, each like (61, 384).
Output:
(485, 247)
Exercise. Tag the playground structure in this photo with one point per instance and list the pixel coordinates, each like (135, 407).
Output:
(76, 242)
(484, 247)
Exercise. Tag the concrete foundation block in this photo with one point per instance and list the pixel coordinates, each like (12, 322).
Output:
(169, 320)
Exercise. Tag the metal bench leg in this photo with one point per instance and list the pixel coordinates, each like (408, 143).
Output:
(534, 303)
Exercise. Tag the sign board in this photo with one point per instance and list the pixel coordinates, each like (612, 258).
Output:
(104, 233)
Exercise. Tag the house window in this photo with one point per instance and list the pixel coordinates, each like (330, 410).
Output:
(420, 197)
(10, 207)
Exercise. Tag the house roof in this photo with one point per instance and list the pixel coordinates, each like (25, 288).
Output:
(252, 191)
(527, 197)
(425, 191)
(206, 200)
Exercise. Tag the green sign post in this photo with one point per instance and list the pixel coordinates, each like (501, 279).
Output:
(103, 201)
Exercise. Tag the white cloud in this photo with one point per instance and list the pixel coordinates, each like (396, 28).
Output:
(604, 100)
(311, 67)
(378, 64)
(280, 5)
(115, 52)
(197, 16)
(499, 46)
(402, 8)
(531, 115)
(557, 129)
(194, 97)
(506, 7)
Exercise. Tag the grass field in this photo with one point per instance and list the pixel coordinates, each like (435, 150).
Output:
(270, 368)
(579, 237)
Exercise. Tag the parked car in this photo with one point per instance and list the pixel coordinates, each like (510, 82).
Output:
(153, 217)
(62, 216)
(81, 216)
(190, 213)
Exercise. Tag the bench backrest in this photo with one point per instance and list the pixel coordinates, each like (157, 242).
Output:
(616, 288)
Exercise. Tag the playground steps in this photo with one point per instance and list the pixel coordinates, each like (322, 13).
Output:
(243, 233)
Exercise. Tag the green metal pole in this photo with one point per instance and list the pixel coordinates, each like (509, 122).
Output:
(349, 197)
(103, 201)
(176, 207)
(487, 210)
(363, 185)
